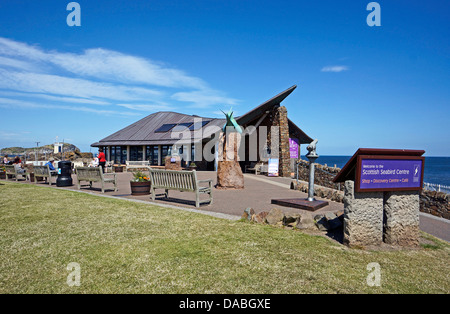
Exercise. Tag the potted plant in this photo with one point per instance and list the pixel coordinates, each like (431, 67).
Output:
(140, 184)
(192, 166)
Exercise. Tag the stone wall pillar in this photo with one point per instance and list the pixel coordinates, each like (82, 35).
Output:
(401, 218)
(363, 217)
(281, 120)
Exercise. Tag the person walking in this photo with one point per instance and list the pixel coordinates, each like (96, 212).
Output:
(101, 159)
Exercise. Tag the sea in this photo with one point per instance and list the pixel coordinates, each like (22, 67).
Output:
(437, 169)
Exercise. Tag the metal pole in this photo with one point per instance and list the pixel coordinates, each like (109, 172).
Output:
(312, 156)
(311, 182)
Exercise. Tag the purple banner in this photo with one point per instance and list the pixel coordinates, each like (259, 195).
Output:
(390, 173)
(293, 147)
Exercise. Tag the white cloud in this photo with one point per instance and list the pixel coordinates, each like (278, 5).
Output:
(74, 100)
(146, 107)
(18, 64)
(14, 103)
(67, 86)
(335, 68)
(115, 66)
(204, 98)
(98, 77)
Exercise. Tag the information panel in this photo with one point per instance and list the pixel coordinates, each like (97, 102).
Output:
(293, 147)
(379, 174)
(273, 167)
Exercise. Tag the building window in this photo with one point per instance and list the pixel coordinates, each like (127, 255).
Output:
(136, 153)
(152, 155)
(106, 151)
(124, 155)
(165, 151)
(119, 154)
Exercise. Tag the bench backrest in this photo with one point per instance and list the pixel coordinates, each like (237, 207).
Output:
(89, 173)
(172, 179)
(41, 171)
(10, 169)
(138, 163)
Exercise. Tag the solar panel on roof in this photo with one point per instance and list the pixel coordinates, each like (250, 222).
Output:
(198, 125)
(166, 127)
(182, 126)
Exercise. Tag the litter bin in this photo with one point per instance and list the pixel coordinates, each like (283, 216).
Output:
(64, 174)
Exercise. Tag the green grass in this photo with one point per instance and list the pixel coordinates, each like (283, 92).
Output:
(126, 247)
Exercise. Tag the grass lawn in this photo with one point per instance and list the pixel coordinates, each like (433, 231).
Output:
(126, 247)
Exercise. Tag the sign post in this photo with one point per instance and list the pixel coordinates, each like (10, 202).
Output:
(382, 189)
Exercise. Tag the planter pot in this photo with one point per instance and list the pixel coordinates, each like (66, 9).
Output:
(118, 169)
(140, 188)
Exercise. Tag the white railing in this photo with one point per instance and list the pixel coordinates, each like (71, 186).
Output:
(436, 187)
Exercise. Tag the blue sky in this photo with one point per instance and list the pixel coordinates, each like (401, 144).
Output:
(358, 86)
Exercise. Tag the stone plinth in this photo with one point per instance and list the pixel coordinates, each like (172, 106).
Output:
(172, 163)
(401, 218)
(229, 172)
(363, 217)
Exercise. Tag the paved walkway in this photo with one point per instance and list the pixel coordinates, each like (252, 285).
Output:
(230, 204)
(257, 194)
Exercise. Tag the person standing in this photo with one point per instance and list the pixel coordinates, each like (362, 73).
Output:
(101, 159)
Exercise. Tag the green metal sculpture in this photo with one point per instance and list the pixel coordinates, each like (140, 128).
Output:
(231, 122)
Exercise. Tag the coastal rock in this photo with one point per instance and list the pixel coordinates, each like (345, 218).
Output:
(248, 213)
(260, 217)
(291, 219)
(306, 222)
(321, 222)
(275, 216)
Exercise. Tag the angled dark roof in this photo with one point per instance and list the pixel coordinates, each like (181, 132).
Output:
(143, 132)
(267, 106)
(261, 109)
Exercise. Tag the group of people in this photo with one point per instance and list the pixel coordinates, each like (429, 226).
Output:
(17, 163)
(99, 160)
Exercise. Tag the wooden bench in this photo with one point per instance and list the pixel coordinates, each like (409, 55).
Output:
(138, 164)
(11, 170)
(185, 181)
(256, 167)
(95, 174)
(44, 172)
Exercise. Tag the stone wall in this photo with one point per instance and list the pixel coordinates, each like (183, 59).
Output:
(320, 191)
(435, 203)
(323, 175)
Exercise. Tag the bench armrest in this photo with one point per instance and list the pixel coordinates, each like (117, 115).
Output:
(205, 181)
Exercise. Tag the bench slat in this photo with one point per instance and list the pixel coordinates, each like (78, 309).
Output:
(178, 180)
